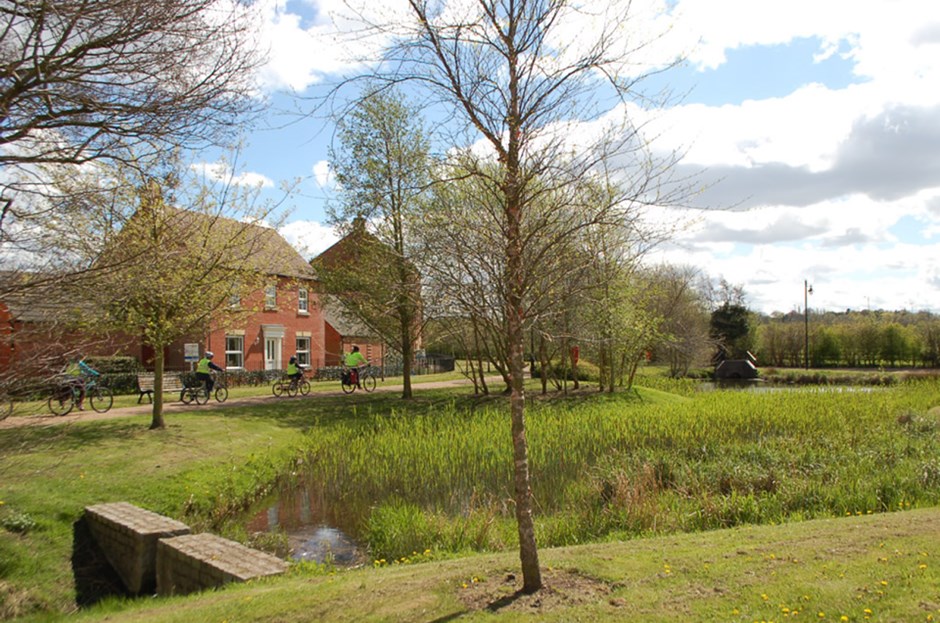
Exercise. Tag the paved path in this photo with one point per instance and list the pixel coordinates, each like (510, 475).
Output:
(47, 419)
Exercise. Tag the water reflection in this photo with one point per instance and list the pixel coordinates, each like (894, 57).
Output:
(313, 533)
(324, 543)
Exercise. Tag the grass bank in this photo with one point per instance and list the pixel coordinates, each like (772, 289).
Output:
(871, 568)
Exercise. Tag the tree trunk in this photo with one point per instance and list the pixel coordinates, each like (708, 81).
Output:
(515, 310)
(156, 420)
(407, 354)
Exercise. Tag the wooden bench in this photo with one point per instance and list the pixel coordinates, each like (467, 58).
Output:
(172, 382)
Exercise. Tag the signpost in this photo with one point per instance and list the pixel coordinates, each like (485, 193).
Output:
(191, 354)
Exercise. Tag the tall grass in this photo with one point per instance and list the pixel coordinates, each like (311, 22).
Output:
(623, 466)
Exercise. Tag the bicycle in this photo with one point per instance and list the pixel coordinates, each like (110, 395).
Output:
(68, 395)
(221, 388)
(366, 380)
(291, 386)
(195, 393)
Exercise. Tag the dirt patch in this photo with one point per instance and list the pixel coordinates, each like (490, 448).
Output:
(560, 589)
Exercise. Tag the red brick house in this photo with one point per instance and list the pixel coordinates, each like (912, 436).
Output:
(280, 320)
(342, 332)
(283, 319)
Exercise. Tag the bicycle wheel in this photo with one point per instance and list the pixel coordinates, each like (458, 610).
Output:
(186, 395)
(277, 389)
(61, 401)
(368, 382)
(221, 394)
(100, 399)
(292, 389)
(348, 387)
(201, 395)
(304, 387)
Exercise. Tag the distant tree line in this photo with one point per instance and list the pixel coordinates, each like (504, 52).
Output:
(863, 339)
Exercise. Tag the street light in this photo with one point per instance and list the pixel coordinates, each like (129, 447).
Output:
(807, 290)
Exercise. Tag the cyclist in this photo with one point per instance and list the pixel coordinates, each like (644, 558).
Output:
(79, 372)
(203, 370)
(355, 362)
(294, 371)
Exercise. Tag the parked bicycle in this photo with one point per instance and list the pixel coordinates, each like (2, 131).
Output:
(353, 378)
(291, 386)
(68, 394)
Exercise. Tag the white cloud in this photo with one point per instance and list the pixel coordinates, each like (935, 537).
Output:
(323, 174)
(222, 172)
(309, 237)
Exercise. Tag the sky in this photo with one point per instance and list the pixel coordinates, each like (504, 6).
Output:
(813, 128)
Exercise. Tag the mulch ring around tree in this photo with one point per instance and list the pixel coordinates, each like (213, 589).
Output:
(560, 589)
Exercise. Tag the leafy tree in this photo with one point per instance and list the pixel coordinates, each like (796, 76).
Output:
(731, 330)
(167, 272)
(382, 167)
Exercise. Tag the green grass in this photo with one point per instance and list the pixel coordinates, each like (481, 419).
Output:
(872, 568)
(604, 468)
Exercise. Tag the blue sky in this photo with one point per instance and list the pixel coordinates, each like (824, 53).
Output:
(818, 121)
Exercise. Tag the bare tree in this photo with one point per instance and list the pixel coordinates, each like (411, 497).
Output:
(109, 81)
(518, 82)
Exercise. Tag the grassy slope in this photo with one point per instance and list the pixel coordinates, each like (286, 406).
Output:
(879, 567)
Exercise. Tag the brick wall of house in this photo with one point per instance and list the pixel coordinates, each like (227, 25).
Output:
(281, 324)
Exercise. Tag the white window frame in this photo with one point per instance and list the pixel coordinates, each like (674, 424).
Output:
(235, 357)
(303, 301)
(270, 297)
(303, 350)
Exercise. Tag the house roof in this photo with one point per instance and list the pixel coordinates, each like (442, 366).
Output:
(341, 319)
(30, 298)
(253, 246)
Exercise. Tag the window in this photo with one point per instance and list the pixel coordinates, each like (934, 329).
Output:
(235, 299)
(270, 297)
(234, 351)
(303, 300)
(303, 351)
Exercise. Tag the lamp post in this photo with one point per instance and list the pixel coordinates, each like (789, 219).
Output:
(807, 290)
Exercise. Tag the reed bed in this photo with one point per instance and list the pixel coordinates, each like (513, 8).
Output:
(625, 466)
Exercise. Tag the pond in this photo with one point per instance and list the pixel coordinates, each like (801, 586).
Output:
(314, 533)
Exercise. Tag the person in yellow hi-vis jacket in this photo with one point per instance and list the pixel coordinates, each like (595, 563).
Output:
(355, 362)
(203, 369)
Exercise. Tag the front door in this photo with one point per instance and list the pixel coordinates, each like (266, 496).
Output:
(272, 353)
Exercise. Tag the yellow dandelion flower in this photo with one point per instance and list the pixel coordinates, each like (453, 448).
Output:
(843, 618)
(764, 596)
(921, 566)
(867, 612)
(821, 615)
(884, 582)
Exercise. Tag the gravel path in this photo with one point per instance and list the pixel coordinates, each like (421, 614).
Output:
(145, 410)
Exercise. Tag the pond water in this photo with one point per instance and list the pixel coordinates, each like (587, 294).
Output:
(313, 533)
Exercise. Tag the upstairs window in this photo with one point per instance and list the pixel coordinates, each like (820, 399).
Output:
(303, 301)
(270, 297)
